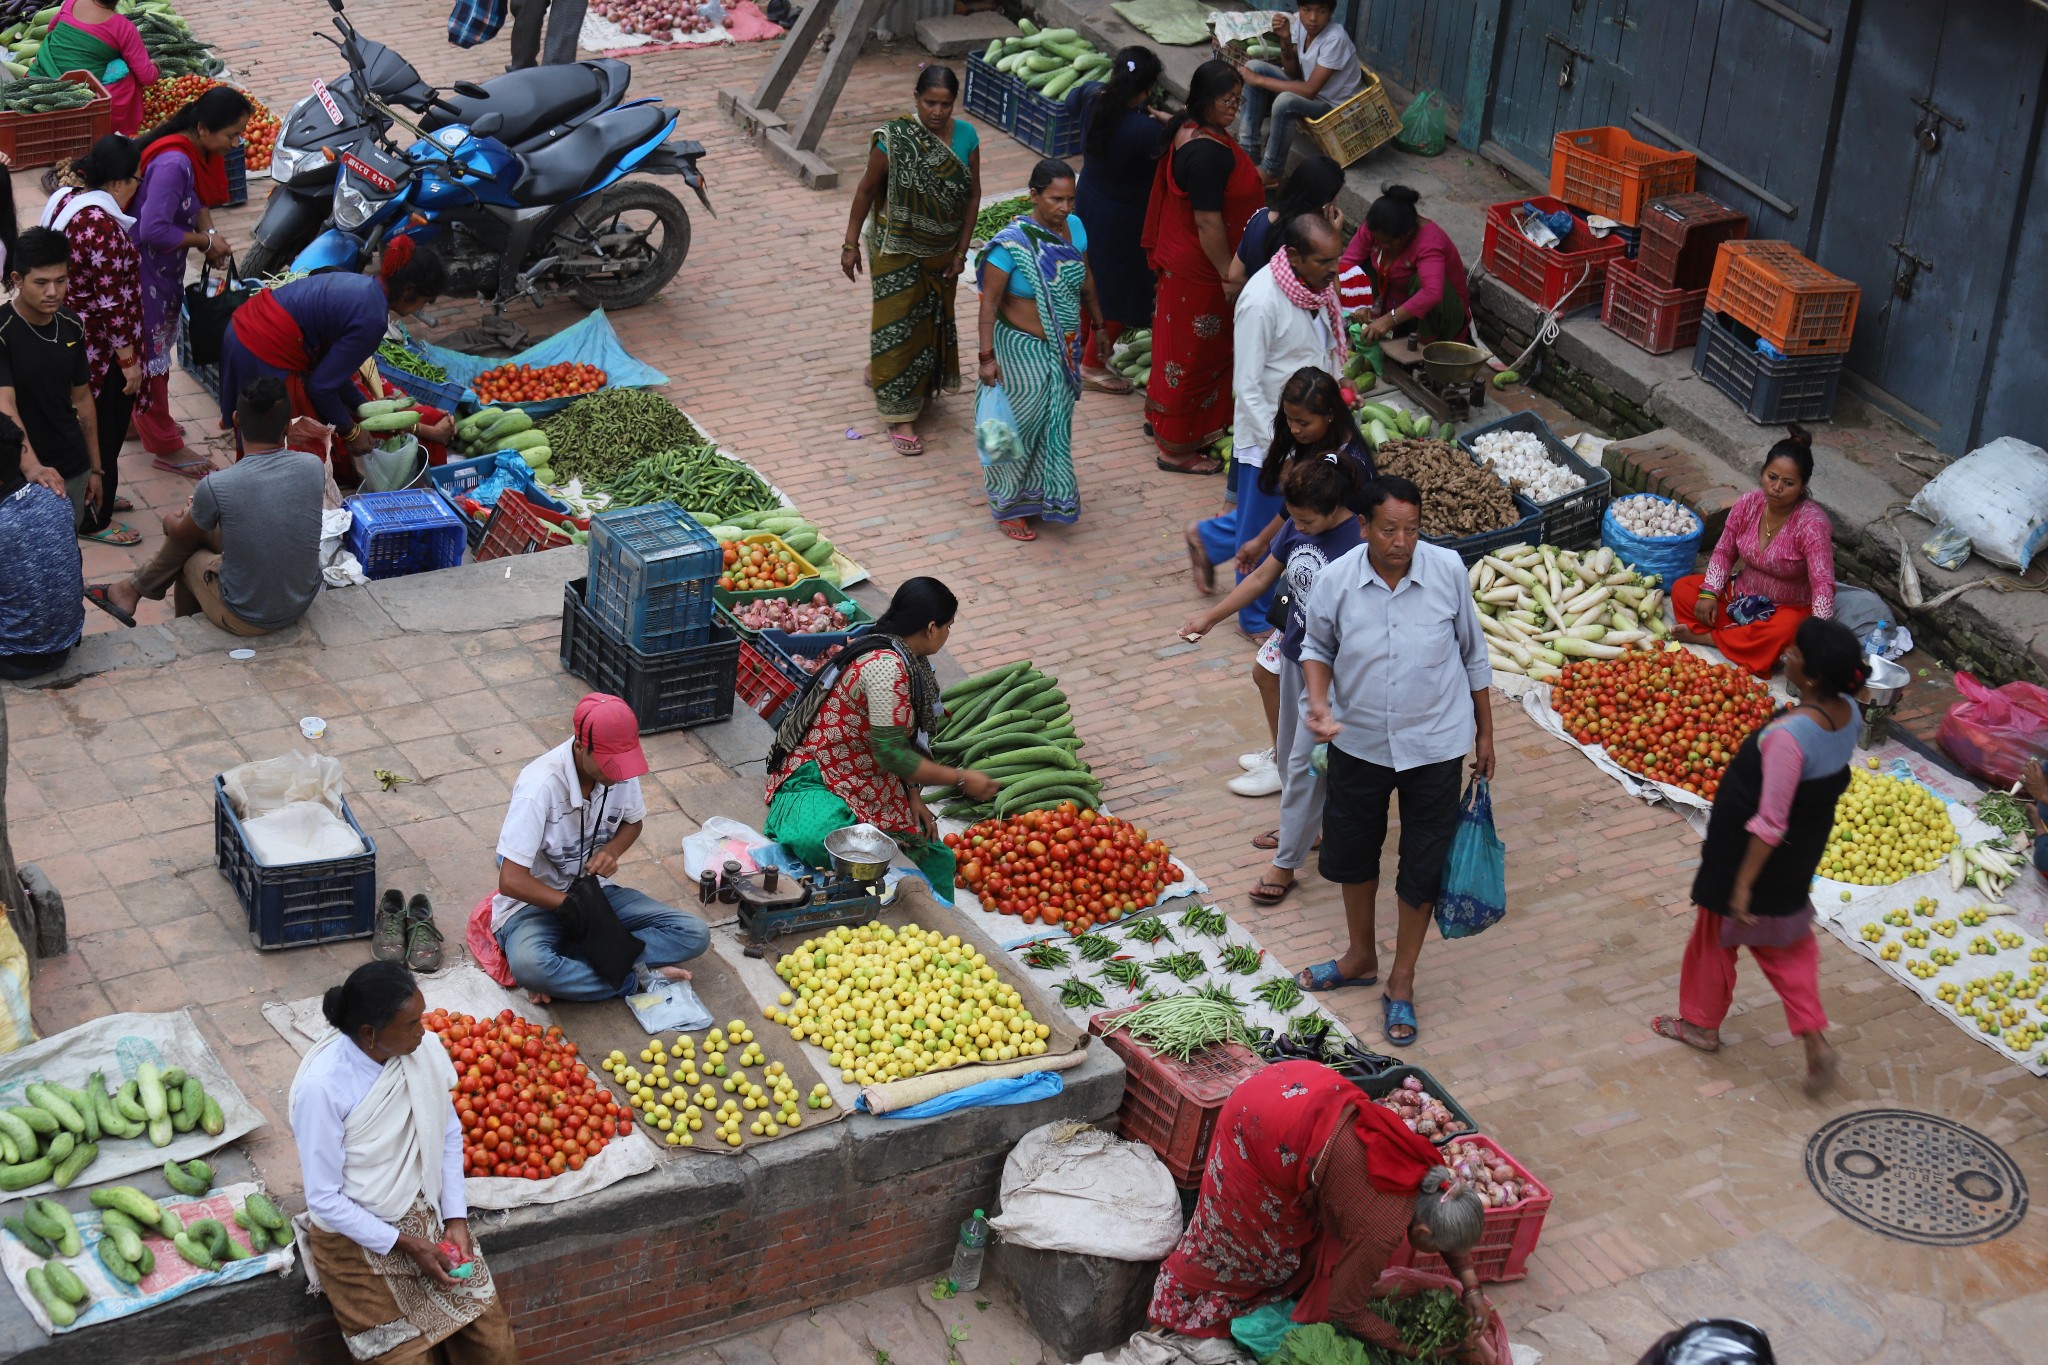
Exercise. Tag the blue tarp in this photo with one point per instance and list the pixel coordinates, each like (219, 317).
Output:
(1038, 1085)
(589, 342)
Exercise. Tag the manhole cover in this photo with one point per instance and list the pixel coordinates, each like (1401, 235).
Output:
(1916, 1177)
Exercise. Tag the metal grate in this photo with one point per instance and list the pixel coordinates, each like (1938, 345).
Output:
(1916, 1177)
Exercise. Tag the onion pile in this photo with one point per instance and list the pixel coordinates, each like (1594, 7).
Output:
(797, 618)
(1488, 1172)
(1423, 1112)
(655, 17)
(1648, 515)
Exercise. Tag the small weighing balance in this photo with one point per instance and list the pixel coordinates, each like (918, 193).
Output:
(1879, 698)
(771, 904)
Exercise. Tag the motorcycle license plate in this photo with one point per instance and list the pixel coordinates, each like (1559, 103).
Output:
(327, 102)
(368, 172)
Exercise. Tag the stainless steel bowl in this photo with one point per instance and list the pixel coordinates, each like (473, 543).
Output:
(1451, 363)
(861, 852)
(1887, 681)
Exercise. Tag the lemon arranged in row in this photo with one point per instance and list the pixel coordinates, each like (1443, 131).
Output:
(1886, 829)
(890, 1003)
(666, 1103)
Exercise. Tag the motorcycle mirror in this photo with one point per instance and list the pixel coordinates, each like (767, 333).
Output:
(334, 5)
(487, 125)
(471, 90)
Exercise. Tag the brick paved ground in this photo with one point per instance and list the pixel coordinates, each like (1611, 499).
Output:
(1678, 1177)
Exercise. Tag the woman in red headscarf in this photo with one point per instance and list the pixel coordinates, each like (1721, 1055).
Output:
(317, 333)
(1309, 1191)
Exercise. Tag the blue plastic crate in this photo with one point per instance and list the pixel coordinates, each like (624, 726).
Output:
(1052, 127)
(461, 479)
(405, 532)
(990, 96)
(666, 691)
(652, 570)
(293, 905)
(783, 649)
(449, 397)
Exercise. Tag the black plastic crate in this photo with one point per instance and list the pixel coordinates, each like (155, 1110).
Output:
(1052, 127)
(1473, 548)
(1378, 1083)
(666, 691)
(1571, 522)
(990, 96)
(1771, 392)
(292, 905)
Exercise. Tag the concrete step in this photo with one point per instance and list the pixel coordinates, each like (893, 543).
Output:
(956, 35)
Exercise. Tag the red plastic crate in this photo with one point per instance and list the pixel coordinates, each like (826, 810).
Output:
(46, 139)
(1608, 172)
(1509, 1235)
(1657, 319)
(759, 683)
(517, 527)
(1681, 234)
(1171, 1106)
(1573, 277)
(1776, 292)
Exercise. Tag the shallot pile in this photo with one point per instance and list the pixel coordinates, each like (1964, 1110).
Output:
(797, 618)
(1421, 1111)
(1521, 458)
(1645, 514)
(655, 17)
(811, 663)
(1490, 1175)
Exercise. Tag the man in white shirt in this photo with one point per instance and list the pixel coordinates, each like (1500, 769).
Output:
(575, 809)
(1318, 71)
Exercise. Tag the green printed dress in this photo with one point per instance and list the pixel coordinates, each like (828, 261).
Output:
(1032, 475)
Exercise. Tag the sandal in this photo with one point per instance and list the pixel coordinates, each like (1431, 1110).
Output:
(1268, 841)
(1200, 465)
(123, 505)
(1325, 976)
(97, 595)
(1398, 1014)
(1017, 529)
(1198, 561)
(907, 445)
(114, 533)
(1678, 1031)
(191, 469)
(1109, 381)
(1270, 892)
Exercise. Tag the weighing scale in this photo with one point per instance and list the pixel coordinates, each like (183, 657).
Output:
(771, 904)
(1448, 391)
(1879, 698)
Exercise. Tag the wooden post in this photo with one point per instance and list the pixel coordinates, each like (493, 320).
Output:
(795, 146)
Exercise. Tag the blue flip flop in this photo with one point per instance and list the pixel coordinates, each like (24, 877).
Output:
(1325, 976)
(1398, 1013)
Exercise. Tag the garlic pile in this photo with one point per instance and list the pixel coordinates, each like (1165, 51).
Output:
(1648, 515)
(1421, 1111)
(1524, 464)
(1493, 1179)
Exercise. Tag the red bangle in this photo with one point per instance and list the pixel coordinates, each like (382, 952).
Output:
(987, 356)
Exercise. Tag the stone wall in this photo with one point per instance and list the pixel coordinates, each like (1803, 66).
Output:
(1559, 380)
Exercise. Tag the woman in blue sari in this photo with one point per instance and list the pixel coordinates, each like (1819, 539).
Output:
(1035, 290)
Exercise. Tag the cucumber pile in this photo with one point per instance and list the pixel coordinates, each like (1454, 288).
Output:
(490, 430)
(1131, 357)
(1380, 423)
(1052, 61)
(1012, 724)
(170, 43)
(786, 526)
(57, 1134)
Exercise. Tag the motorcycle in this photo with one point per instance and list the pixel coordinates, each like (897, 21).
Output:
(547, 216)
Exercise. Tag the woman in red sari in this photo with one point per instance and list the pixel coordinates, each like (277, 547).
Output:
(1203, 193)
(1786, 547)
(1309, 1190)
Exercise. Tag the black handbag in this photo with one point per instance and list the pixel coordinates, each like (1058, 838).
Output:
(1282, 607)
(207, 313)
(592, 930)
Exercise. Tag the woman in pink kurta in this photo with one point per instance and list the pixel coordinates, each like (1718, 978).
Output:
(1418, 277)
(89, 36)
(1785, 545)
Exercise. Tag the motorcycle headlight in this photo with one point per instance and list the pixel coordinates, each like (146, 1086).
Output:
(286, 163)
(352, 208)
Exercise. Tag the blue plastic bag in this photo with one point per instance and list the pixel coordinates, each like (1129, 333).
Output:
(1036, 1085)
(1263, 1329)
(1475, 890)
(589, 342)
(1669, 557)
(995, 427)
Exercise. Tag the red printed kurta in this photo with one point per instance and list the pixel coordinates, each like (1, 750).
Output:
(104, 289)
(873, 693)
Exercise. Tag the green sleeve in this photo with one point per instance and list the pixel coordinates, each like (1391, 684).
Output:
(894, 750)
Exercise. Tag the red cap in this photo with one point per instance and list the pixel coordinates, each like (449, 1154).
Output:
(610, 730)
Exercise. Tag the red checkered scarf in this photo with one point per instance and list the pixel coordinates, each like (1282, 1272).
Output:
(1302, 297)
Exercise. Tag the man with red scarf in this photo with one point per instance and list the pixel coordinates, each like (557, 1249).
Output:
(316, 333)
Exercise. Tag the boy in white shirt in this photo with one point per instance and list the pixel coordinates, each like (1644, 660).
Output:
(1318, 71)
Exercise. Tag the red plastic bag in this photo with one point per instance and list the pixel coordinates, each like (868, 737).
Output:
(1993, 733)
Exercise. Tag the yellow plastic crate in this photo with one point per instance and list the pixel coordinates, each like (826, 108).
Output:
(1359, 126)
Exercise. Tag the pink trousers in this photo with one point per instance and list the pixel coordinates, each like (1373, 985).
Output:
(1706, 980)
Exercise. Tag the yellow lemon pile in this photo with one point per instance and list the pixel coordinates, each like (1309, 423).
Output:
(668, 1106)
(1885, 830)
(890, 1003)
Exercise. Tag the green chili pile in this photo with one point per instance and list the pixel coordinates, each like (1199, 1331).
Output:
(997, 216)
(699, 479)
(599, 438)
(400, 356)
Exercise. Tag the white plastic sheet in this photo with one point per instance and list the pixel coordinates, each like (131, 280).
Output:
(1070, 1187)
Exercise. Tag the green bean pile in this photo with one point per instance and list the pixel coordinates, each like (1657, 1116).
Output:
(600, 437)
(698, 477)
(400, 356)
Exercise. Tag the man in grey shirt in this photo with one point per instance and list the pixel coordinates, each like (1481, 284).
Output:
(1397, 679)
(246, 552)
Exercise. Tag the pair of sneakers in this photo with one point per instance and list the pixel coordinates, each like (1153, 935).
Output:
(406, 932)
(1261, 774)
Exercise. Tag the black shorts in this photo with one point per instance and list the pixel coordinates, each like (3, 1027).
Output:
(1355, 823)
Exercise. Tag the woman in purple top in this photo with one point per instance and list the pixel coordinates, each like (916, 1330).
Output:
(184, 178)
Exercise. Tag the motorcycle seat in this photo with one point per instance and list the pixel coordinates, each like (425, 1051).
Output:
(586, 154)
(539, 99)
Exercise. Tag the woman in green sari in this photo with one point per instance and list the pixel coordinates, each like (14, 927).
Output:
(1035, 289)
(922, 184)
(87, 35)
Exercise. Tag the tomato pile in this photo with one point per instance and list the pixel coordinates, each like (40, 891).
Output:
(751, 566)
(533, 384)
(529, 1108)
(1670, 716)
(1066, 866)
(168, 96)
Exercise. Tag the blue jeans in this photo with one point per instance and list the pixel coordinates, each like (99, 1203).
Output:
(532, 940)
(1221, 536)
(1284, 111)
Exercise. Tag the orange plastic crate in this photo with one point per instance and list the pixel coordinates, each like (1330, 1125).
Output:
(1171, 1106)
(1508, 1236)
(1605, 171)
(1776, 292)
(45, 139)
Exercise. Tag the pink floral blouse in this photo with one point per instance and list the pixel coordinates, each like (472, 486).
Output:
(1796, 569)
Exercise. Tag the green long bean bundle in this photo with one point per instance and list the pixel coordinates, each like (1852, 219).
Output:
(1182, 1025)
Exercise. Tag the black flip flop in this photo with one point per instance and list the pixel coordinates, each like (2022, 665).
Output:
(97, 595)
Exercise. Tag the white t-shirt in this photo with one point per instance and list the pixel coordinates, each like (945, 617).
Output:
(550, 829)
(1332, 48)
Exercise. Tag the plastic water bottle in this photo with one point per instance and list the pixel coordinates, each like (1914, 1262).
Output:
(968, 1252)
(1877, 644)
